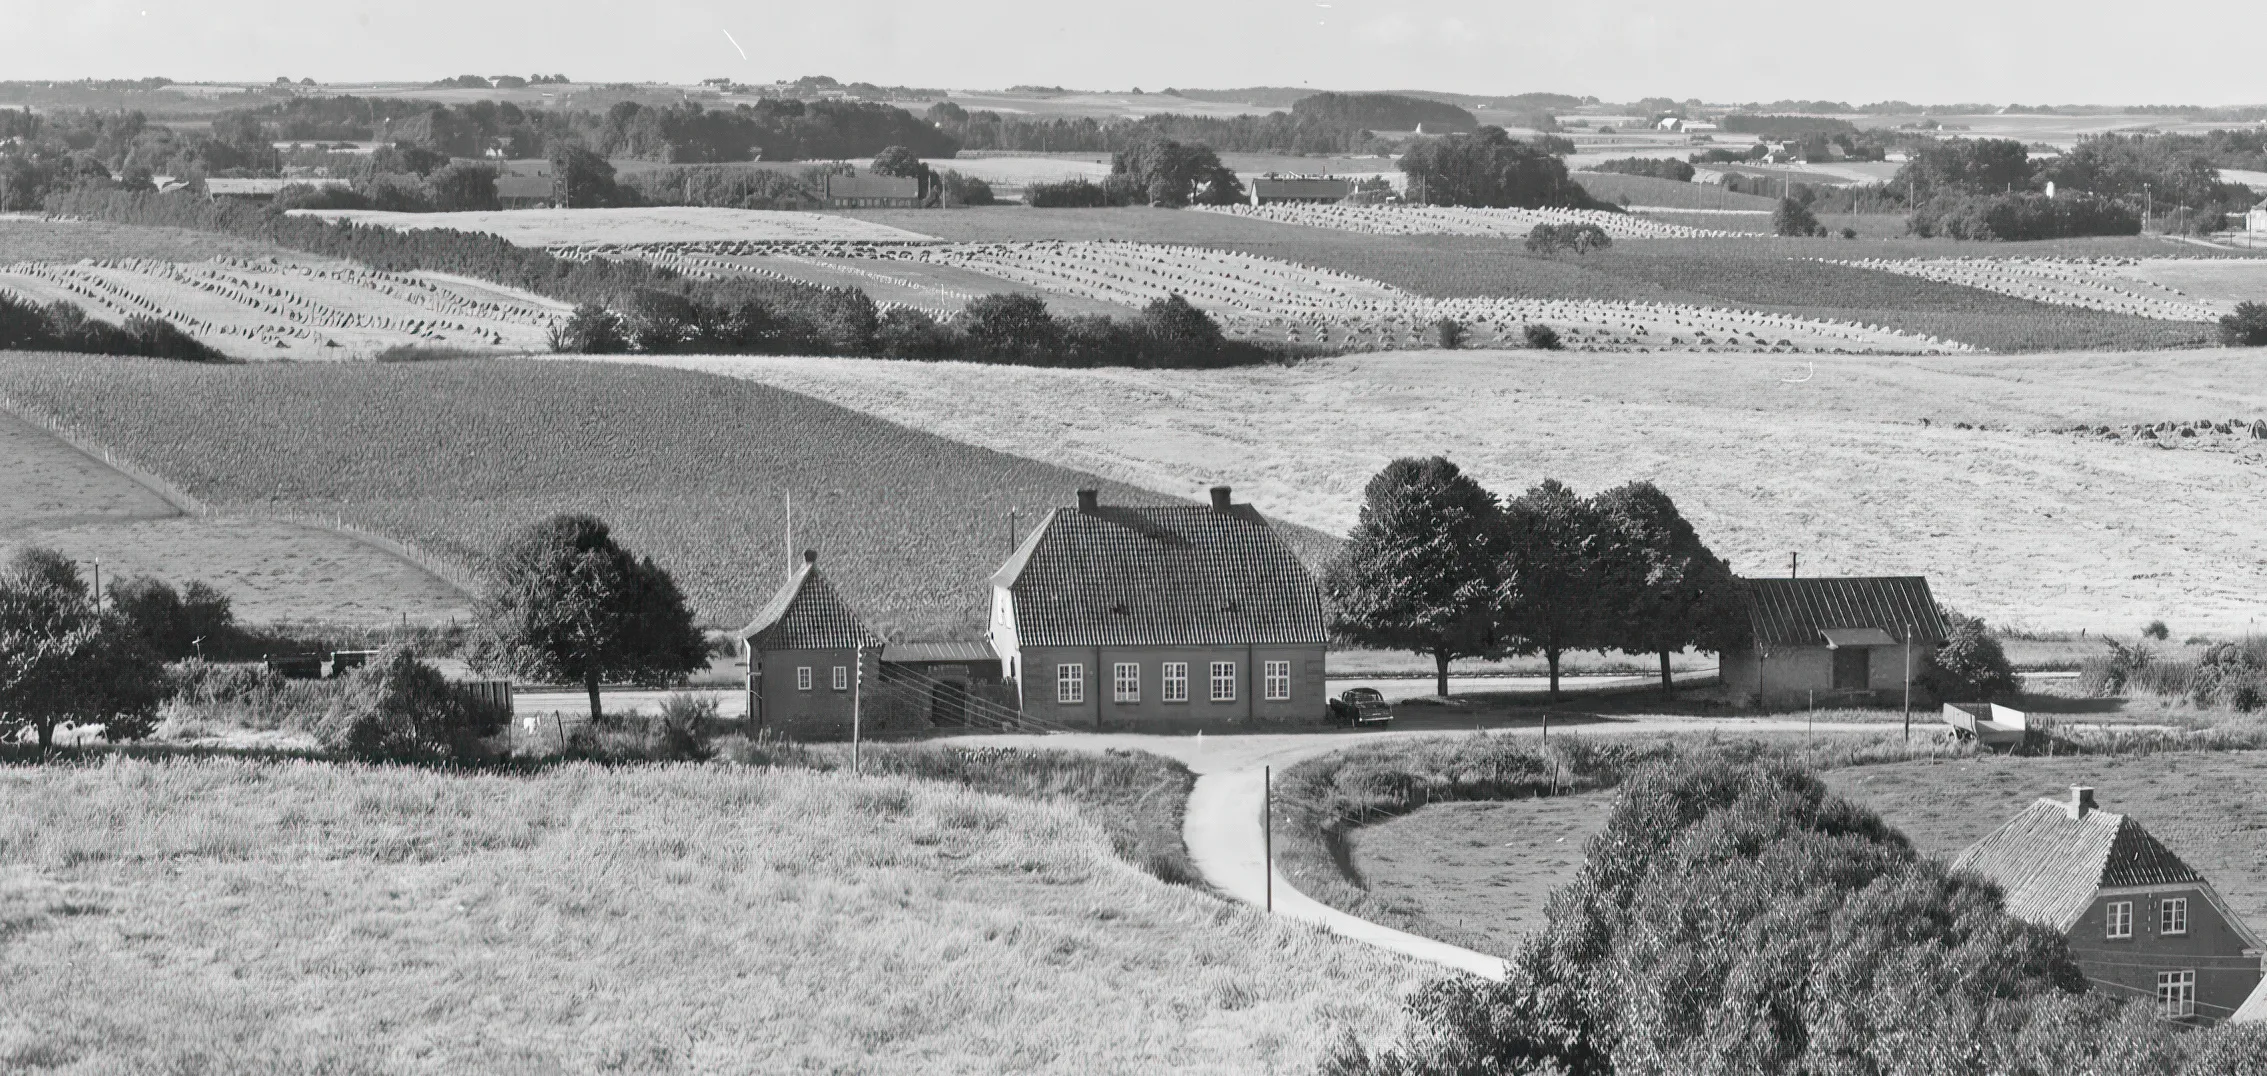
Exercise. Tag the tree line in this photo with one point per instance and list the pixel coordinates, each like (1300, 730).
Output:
(1322, 123)
(1492, 169)
(1438, 565)
(63, 326)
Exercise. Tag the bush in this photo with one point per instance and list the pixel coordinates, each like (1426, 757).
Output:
(61, 326)
(1795, 219)
(590, 330)
(1970, 666)
(2247, 327)
(963, 190)
(174, 624)
(2157, 630)
(1448, 334)
(402, 710)
(1541, 337)
(907, 333)
(1579, 238)
(1067, 194)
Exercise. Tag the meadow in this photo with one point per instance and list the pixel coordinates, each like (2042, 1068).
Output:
(1667, 193)
(1944, 466)
(53, 495)
(242, 916)
(37, 239)
(693, 469)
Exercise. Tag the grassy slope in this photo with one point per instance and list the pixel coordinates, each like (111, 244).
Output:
(2039, 528)
(1653, 191)
(249, 917)
(690, 468)
(52, 494)
(24, 240)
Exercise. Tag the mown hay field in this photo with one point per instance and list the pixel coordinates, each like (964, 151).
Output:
(37, 239)
(1829, 456)
(1668, 193)
(656, 224)
(693, 469)
(238, 916)
(53, 495)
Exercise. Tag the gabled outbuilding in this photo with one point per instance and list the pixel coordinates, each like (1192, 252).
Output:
(1832, 640)
(804, 655)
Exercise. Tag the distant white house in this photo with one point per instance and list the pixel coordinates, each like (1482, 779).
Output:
(1669, 123)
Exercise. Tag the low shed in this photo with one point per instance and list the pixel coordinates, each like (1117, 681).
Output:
(1840, 641)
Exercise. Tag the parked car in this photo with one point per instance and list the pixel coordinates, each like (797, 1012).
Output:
(1359, 706)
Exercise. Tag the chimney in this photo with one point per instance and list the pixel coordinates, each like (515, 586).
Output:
(2081, 802)
(810, 556)
(1220, 501)
(1088, 499)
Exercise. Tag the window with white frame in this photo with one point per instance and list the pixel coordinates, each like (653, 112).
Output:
(1175, 686)
(842, 678)
(1125, 682)
(1278, 680)
(803, 678)
(2121, 919)
(1223, 681)
(2172, 916)
(1070, 683)
(2176, 993)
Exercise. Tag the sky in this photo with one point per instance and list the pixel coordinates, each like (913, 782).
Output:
(1925, 51)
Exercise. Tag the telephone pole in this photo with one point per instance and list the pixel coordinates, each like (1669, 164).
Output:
(1794, 561)
(1908, 681)
(857, 689)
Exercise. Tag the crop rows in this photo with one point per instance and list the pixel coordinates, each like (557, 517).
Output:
(1460, 220)
(2090, 283)
(262, 306)
(1261, 298)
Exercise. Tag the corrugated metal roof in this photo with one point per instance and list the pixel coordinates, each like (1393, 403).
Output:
(1161, 575)
(935, 653)
(1793, 612)
(805, 613)
(2051, 865)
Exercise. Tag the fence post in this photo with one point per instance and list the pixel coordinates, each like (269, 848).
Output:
(1267, 829)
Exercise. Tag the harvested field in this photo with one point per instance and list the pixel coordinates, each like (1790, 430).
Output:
(295, 308)
(243, 916)
(2204, 806)
(657, 224)
(690, 468)
(1271, 299)
(1457, 220)
(2118, 285)
(2011, 520)
(56, 496)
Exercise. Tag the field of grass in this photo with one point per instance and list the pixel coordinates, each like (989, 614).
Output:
(1830, 456)
(1654, 191)
(33, 239)
(223, 915)
(660, 224)
(52, 494)
(690, 468)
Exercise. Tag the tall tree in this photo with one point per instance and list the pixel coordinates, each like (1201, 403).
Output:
(565, 604)
(1418, 571)
(63, 661)
(1174, 173)
(1668, 590)
(1491, 168)
(1553, 596)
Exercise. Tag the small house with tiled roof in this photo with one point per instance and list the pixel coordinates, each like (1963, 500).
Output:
(803, 652)
(1831, 640)
(2141, 922)
(1126, 615)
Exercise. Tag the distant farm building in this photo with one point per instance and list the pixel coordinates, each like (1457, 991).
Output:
(1844, 641)
(870, 191)
(2255, 221)
(1276, 190)
(2140, 922)
(262, 190)
(1154, 614)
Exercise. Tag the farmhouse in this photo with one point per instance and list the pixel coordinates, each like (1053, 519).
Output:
(1840, 640)
(1159, 613)
(873, 192)
(2140, 922)
(1275, 190)
(804, 652)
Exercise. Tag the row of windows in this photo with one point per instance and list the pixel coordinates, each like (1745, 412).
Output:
(841, 678)
(1172, 681)
(2172, 917)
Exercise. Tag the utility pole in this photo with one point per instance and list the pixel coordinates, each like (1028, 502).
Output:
(98, 586)
(857, 689)
(1908, 681)
(1267, 829)
(1012, 536)
(2148, 206)
(1794, 560)
(791, 530)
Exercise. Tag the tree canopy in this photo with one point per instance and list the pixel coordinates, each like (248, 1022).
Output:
(1553, 594)
(1174, 174)
(1668, 590)
(563, 603)
(1490, 168)
(1419, 569)
(64, 661)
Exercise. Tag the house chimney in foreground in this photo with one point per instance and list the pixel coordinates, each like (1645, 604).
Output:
(1220, 500)
(2081, 801)
(1088, 499)
(810, 556)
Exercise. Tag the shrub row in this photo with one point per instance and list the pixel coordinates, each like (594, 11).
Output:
(2022, 215)
(61, 326)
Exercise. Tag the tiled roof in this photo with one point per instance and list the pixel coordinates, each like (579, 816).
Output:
(806, 614)
(2051, 865)
(927, 653)
(1119, 575)
(1794, 612)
